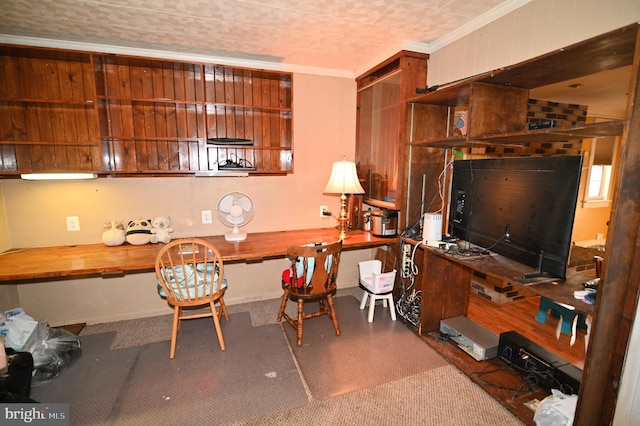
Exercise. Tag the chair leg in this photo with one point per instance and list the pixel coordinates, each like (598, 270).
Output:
(363, 303)
(283, 304)
(372, 307)
(321, 306)
(392, 308)
(300, 320)
(333, 315)
(174, 330)
(223, 310)
(216, 323)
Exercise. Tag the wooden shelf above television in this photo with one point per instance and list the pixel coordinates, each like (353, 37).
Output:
(554, 134)
(588, 57)
(557, 134)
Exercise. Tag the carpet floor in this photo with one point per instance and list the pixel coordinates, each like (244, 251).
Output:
(374, 373)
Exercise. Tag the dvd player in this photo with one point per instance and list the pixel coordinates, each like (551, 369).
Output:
(477, 341)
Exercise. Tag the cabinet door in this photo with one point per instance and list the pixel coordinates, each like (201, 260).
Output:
(382, 135)
(378, 138)
(253, 105)
(445, 291)
(151, 115)
(47, 112)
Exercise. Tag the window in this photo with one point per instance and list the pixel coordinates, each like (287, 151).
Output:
(599, 180)
(598, 186)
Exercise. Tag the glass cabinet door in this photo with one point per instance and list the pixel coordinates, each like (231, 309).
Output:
(378, 139)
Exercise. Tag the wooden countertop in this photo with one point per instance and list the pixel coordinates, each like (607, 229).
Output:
(42, 263)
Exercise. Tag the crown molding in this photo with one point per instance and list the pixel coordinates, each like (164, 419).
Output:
(430, 47)
(171, 55)
(477, 23)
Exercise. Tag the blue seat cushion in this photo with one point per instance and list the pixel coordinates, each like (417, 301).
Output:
(183, 276)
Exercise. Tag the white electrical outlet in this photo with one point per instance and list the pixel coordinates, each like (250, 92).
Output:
(322, 210)
(73, 223)
(207, 218)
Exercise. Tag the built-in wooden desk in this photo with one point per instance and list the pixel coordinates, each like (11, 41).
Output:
(445, 279)
(46, 263)
(552, 288)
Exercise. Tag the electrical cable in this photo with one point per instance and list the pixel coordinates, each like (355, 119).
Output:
(504, 236)
(408, 305)
(480, 375)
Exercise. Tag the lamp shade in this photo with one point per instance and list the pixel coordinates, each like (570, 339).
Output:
(344, 179)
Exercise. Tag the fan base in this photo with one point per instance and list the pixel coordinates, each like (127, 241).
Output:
(235, 236)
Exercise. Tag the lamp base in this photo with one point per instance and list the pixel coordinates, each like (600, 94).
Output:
(343, 219)
(343, 234)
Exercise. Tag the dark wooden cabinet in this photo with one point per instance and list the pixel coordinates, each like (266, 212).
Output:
(496, 102)
(381, 141)
(445, 291)
(63, 111)
(151, 115)
(48, 121)
(255, 105)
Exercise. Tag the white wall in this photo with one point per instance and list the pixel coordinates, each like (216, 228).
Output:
(536, 28)
(98, 300)
(324, 130)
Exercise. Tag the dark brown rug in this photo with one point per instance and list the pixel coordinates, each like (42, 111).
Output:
(364, 355)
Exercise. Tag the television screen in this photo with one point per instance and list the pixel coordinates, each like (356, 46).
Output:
(522, 208)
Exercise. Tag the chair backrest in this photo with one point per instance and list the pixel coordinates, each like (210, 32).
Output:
(189, 270)
(316, 265)
(388, 259)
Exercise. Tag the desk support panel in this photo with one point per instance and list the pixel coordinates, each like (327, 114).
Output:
(445, 290)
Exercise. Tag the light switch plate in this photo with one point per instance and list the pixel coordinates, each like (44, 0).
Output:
(207, 217)
(73, 223)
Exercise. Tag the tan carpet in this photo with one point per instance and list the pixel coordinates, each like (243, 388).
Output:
(440, 397)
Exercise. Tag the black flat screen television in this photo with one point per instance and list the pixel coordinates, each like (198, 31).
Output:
(522, 208)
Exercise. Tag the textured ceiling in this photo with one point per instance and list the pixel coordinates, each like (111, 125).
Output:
(332, 34)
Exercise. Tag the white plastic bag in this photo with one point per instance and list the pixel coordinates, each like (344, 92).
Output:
(17, 328)
(557, 409)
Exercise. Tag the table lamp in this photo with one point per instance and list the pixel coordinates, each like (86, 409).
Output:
(343, 180)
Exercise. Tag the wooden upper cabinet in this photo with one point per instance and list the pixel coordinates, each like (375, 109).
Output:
(381, 132)
(48, 121)
(249, 119)
(496, 102)
(113, 114)
(151, 115)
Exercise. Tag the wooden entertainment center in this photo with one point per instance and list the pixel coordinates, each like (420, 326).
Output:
(495, 104)
(443, 279)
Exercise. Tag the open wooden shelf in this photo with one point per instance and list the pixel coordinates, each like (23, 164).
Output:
(554, 134)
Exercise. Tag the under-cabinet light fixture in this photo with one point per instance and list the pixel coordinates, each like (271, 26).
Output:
(58, 176)
(213, 173)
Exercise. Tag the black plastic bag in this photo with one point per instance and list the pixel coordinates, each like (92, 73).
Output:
(55, 350)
